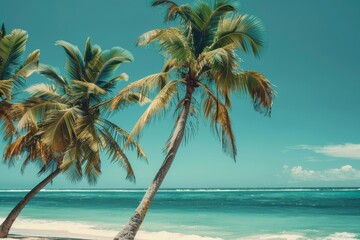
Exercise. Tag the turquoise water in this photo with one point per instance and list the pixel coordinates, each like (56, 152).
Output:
(223, 213)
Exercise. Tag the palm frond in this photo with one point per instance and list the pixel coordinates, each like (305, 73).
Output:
(169, 65)
(172, 43)
(87, 87)
(112, 59)
(2, 31)
(110, 85)
(6, 87)
(202, 10)
(194, 17)
(192, 123)
(92, 61)
(52, 75)
(12, 47)
(7, 118)
(220, 60)
(220, 65)
(139, 88)
(127, 99)
(173, 11)
(156, 3)
(74, 64)
(49, 167)
(58, 128)
(86, 131)
(218, 114)
(243, 31)
(258, 87)
(30, 148)
(7, 126)
(121, 136)
(116, 154)
(117, 52)
(88, 53)
(15, 149)
(29, 67)
(36, 110)
(160, 102)
(71, 164)
(92, 166)
(210, 20)
(43, 91)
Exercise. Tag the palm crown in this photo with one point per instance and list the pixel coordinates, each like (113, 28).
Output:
(202, 53)
(13, 72)
(65, 122)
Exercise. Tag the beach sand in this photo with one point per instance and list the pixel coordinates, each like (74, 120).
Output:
(31, 229)
(56, 230)
(14, 237)
(156, 236)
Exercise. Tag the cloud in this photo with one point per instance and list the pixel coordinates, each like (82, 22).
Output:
(347, 150)
(346, 172)
(314, 159)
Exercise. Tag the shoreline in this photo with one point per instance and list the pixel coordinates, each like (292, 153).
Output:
(31, 229)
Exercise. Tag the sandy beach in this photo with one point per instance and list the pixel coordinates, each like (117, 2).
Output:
(60, 230)
(39, 238)
(26, 229)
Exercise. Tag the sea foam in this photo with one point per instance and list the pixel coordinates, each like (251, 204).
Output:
(300, 236)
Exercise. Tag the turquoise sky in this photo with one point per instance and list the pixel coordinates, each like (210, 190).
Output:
(311, 55)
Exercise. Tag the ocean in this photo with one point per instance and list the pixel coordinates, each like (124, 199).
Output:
(277, 213)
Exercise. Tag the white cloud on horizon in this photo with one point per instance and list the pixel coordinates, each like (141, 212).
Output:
(346, 172)
(347, 150)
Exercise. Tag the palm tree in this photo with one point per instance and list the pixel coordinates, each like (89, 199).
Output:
(13, 72)
(64, 123)
(201, 63)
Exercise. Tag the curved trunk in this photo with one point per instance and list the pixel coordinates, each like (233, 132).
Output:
(6, 225)
(130, 230)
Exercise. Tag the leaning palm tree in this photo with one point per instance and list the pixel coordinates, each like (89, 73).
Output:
(64, 124)
(13, 72)
(201, 66)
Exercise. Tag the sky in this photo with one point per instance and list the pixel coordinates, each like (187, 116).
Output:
(311, 56)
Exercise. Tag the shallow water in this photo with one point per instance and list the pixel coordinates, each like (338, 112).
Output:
(317, 213)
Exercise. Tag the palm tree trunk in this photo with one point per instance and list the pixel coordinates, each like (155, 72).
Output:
(6, 225)
(130, 230)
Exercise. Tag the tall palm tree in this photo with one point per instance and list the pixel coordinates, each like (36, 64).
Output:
(201, 64)
(13, 72)
(64, 124)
